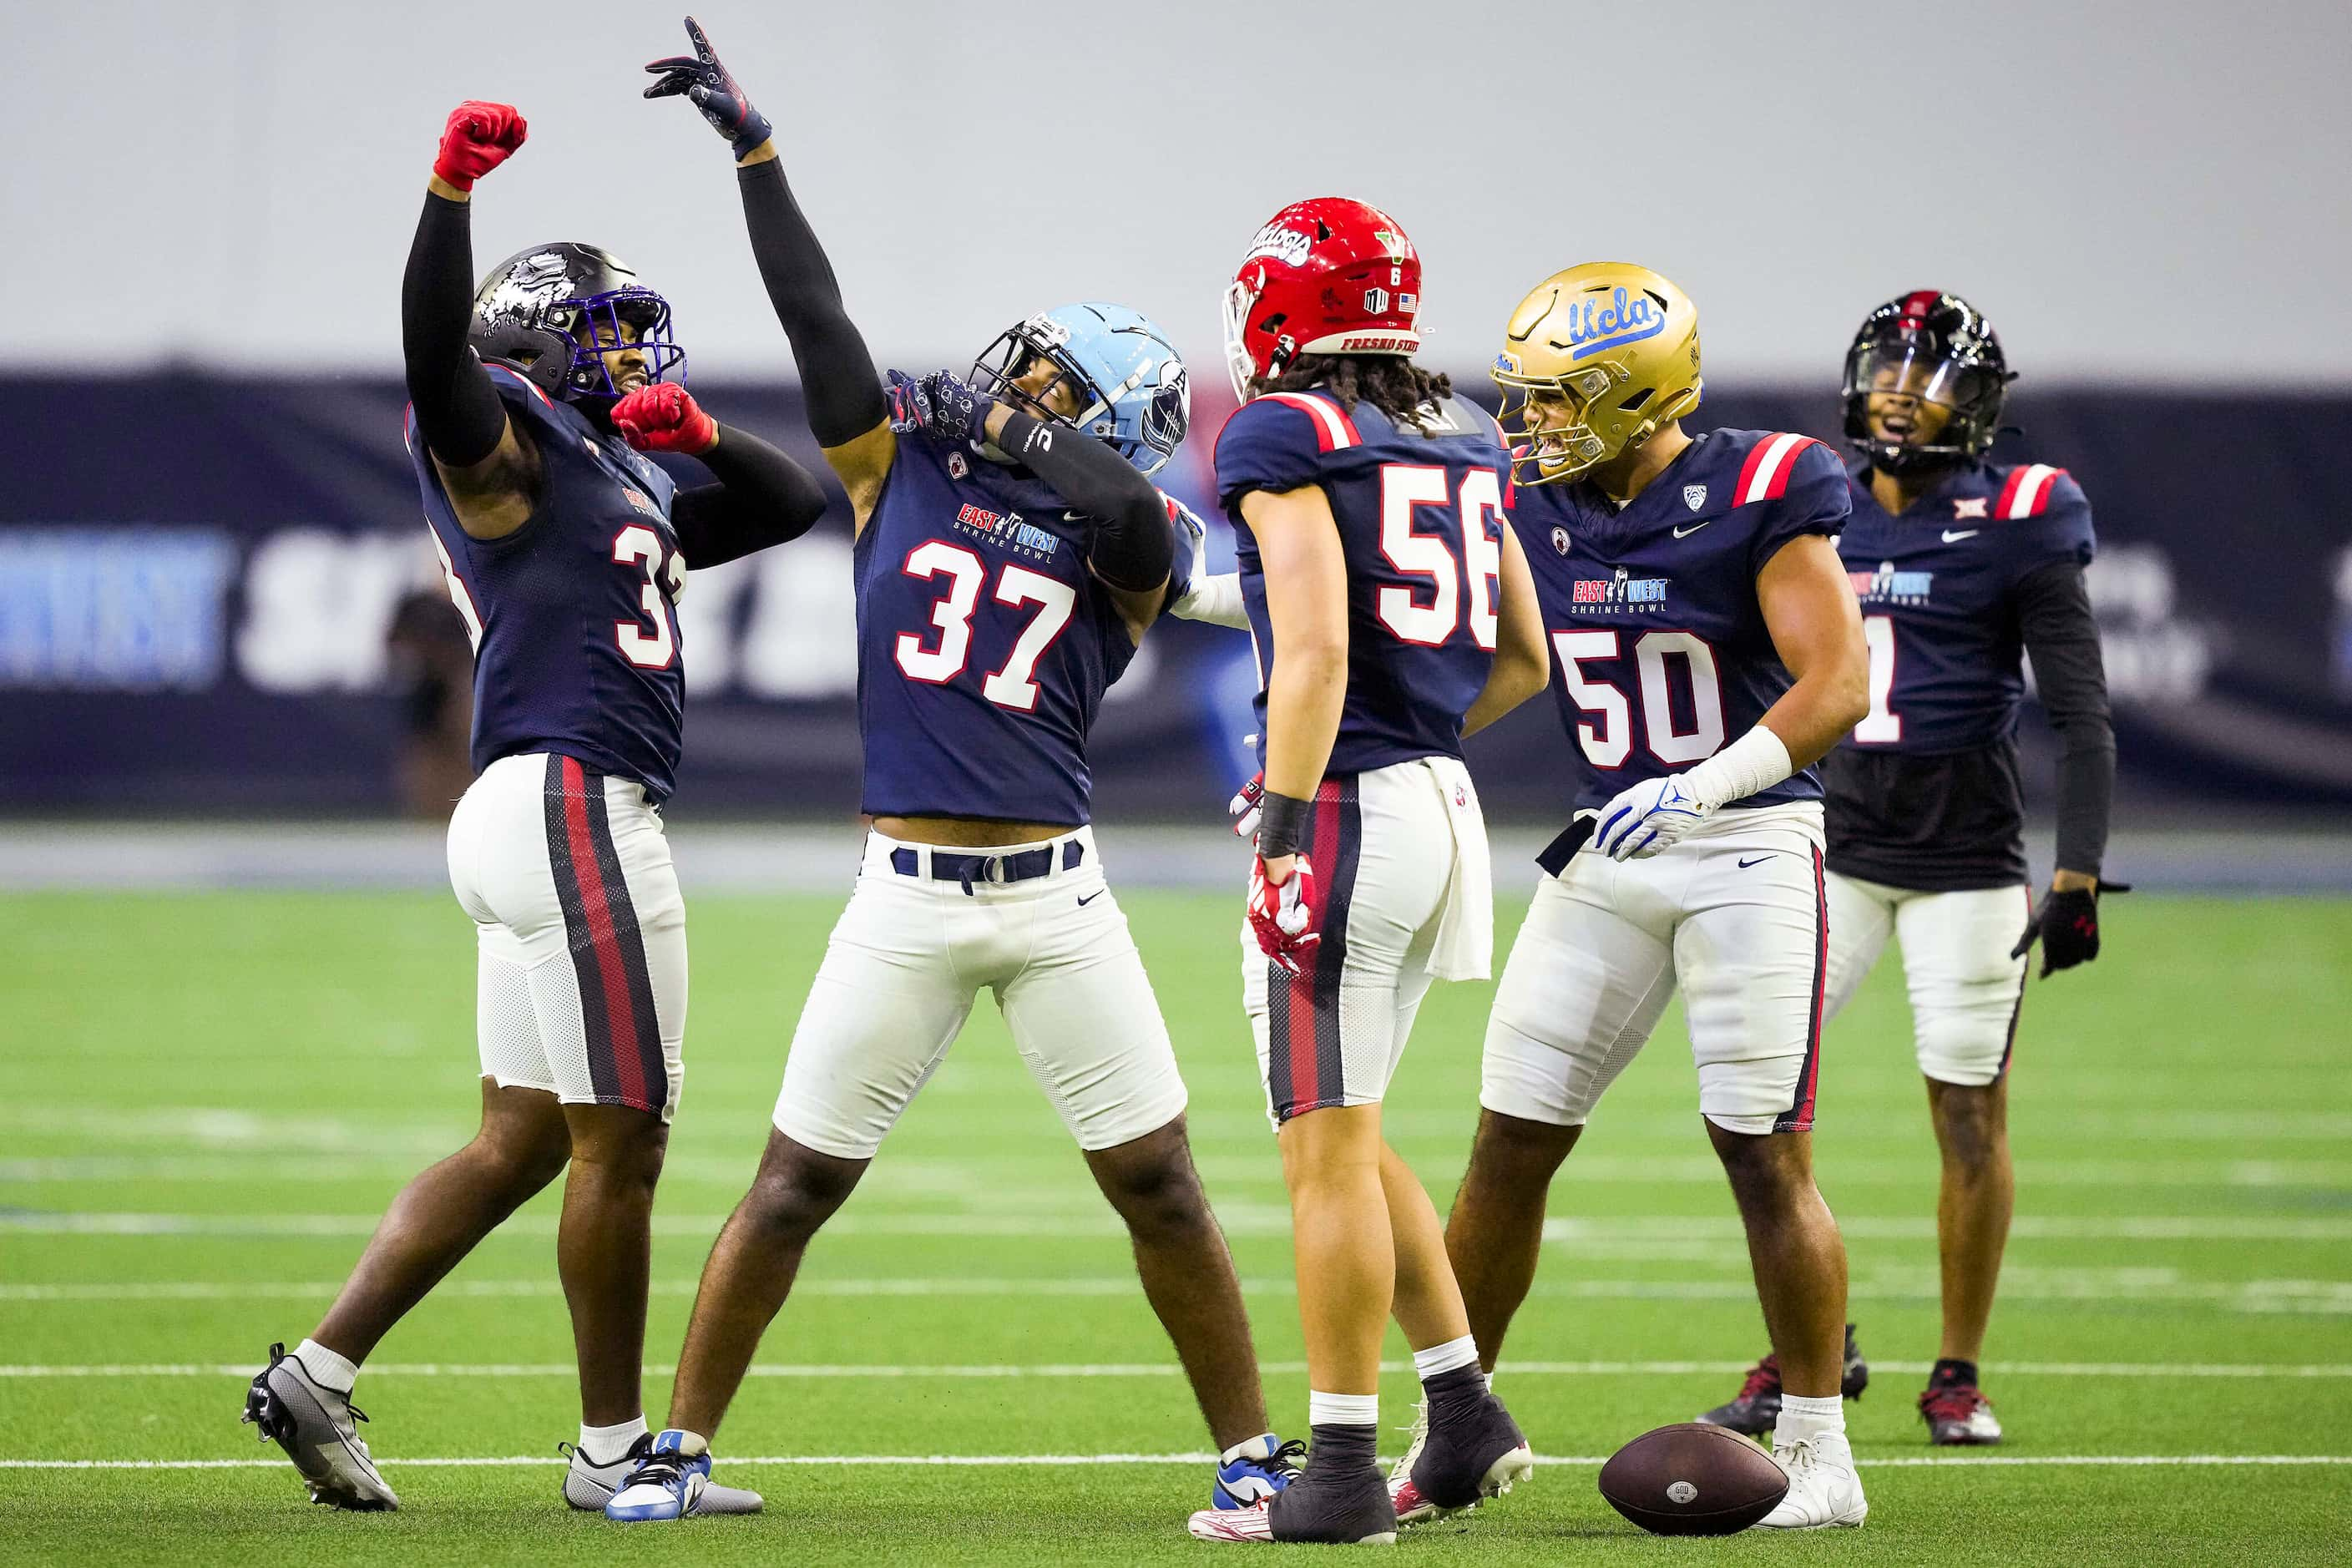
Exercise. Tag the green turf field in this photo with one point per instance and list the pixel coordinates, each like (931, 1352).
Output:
(212, 1097)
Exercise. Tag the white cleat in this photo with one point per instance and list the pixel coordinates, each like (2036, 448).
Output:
(1824, 1488)
(588, 1486)
(1256, 1523)
(317, 1427)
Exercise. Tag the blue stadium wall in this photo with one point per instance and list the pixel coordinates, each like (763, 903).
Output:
(198, 575)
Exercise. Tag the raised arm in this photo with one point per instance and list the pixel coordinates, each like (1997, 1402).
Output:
(846, 410)
(762, 497)
(487, 466)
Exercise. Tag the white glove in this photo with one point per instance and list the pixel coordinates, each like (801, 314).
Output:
(1648, 817)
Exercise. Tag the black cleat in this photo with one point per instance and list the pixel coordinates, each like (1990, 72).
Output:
(1348, 1508)
(1755, 1408)
(1959, 1416)
(1459, 1459)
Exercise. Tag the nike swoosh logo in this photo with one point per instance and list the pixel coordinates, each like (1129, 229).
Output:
(1952, 538)
(1694, 528)
(1757, 861)
(1090, 897)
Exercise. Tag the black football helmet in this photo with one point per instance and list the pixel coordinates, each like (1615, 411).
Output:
(532, 312)
(1938, 348)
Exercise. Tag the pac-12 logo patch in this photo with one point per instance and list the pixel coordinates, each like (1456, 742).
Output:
(1560, 540)
(956, 467)
(1694, 496)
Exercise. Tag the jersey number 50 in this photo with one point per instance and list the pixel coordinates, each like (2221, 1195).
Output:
(1476, 580)
(1607, 734)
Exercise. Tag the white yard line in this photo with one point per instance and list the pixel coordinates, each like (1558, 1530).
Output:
(267, 1167)
(1668, 1231)
(2288, 1295)
(1515, 1369)
(733, 1461)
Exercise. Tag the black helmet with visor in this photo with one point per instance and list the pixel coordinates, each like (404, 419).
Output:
(1936, 348)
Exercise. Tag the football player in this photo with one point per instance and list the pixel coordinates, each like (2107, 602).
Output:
(1010, 552)
(565, 549)
(1710, 653)
(1392, 614)
(1962, 566)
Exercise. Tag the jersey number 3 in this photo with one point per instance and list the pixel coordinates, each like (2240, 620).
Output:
(1009, 687)
(643, 547)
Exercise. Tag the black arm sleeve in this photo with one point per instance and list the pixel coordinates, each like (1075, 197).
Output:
(844, 396)
(458, 410)
(762, 497)
(2054, 615)
(1134, 545)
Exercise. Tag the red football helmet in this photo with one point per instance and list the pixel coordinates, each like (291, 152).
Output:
(1327, 276)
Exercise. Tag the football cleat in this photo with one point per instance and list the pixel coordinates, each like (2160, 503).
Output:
(1824, 1488)
(666, 1482)
(1345, 1510)
(1267, 1465)
(588, 1486)
(1458, 1465)
(1753, 1410)
(1959, 1416)
(317, 1427)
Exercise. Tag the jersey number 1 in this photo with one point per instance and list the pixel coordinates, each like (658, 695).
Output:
(1883, 726)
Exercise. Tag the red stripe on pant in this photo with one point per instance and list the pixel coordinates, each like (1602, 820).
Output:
(613, 980)
(1800, 1116)
(1306, 1086)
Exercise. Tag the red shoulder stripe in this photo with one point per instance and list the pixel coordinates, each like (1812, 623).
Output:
(2026, 491)
(1765, 475)
(1333, 429)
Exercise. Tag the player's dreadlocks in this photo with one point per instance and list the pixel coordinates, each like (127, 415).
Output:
(1397, 387)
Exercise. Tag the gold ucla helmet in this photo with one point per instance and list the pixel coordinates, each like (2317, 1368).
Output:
(1599, 357)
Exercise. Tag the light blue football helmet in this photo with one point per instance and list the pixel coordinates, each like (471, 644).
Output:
(1130, 384)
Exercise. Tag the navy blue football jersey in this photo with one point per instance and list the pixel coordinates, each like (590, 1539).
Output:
(575, 634)
(984, 642)
(1652, 613)
(1945, 659)
(1420, 514)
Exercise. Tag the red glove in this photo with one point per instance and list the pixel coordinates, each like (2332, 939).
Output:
(478, 139)
(1281, 914)
(663, 417)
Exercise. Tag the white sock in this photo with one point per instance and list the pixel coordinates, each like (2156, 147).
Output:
(1257, 1447)
(1342, 1409)
(1490, 1382)
(603, 1445)
(1801, 1420)
(327, 1369)
(1448, 1357)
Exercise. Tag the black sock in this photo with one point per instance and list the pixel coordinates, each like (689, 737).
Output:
(1951, 1370)
(1342, 1451)
(1464, 1388)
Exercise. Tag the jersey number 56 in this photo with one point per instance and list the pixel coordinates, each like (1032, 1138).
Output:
(1455, 590)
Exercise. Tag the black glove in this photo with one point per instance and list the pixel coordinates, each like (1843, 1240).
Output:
(939, 406)
(710, 88)
(2068, 925)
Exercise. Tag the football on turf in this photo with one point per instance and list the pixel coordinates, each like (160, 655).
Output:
(1693, 1479)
